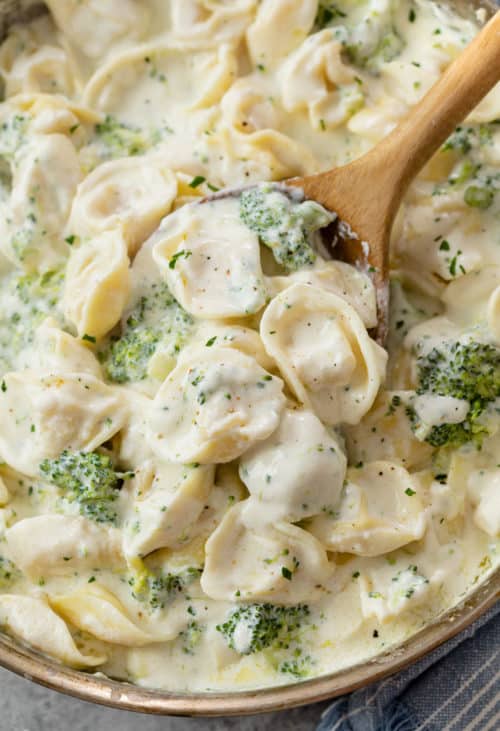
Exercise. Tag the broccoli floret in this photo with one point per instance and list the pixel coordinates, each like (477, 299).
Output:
(469, 371)
(327, 13)
(157, 320)
(369, 55)
(120, 139)
(113, 139)
(191, 637)
(473, 172)
(9, 573)
(40, 291)
(367, 32)
(254, 627)
(25, 301)
(455, 435)
(159, 590)
(129, 355)
(299, 666)
(464, 139)
(480, 196)
(87, 478)
(13, 135)
(282, 224)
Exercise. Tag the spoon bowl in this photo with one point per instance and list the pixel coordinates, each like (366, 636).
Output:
(366, 194)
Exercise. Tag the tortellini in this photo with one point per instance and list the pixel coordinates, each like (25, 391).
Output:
(44, 69)
(44, 414)
(488, 110)
(434, 219)
(315, 78)
(483, 490)
(168, 504)
(226, 335)
(97, 284)
(142, 83)
(201, 22)
(98, 612)
(60, 352)
(211, 263)
(129, 194)
(94, 26)
(379, 511)
(293, 18)
(355, 287)
(227, 490)
(281, 563)
(45, 175)
(322, 348)
(376, 121)
(31, 61)
(385, 433)
(33, 621)
(213, 408)
(475, 299)
(296, 473)
(471, 478)
(247, 107)
(4, 493)
(59, 545)
(47, 114)
(265, 154)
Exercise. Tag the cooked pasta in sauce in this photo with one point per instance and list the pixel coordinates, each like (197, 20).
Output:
(212, 476)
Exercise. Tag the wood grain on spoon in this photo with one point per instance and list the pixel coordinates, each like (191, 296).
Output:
(367, 193)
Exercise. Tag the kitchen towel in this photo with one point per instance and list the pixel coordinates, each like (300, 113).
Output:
(454, 688)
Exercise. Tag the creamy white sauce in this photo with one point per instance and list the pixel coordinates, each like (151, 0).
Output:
(212, 477)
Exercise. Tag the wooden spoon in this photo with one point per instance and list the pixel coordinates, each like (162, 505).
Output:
(366, 194)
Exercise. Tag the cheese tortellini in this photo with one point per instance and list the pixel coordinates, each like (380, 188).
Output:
(33, 621)
(98, 612)
(293, 18)
(473, 481)
(133, 84)
(315, 78)
(126, 194)
(483, 493)
(355, 287)
(45, 175)
(297, 472)
(280, 563)
(27, 67)
(386, 433)
(58, 545)
(324, 352)
(44, 414)
(4, 493)
(211, 263)
(97, 284)
(379, 511)
(200, 22)
(169, 501)
(213, 408)
(58, 351)
(94, 26)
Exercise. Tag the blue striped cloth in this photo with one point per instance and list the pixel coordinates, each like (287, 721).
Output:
(454, 688)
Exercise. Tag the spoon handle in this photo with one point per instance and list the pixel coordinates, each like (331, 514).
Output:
(462, 86)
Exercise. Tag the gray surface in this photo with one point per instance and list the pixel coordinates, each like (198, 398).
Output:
(25, 706)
